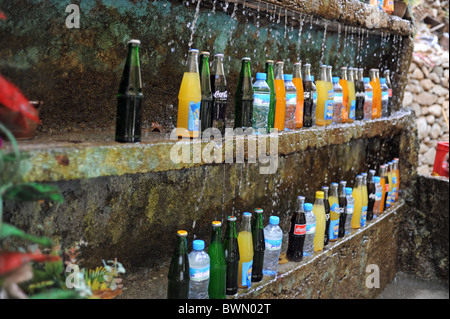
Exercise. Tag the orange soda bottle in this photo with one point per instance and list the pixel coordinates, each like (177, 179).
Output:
(298, 82)
(280, 93)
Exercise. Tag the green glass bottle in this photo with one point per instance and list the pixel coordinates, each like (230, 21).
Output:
(270, 83)
(129, 98)
(231, 249)
(259, 245)
(207, 97)
(218, 266)
(178, 276)
(243, 99)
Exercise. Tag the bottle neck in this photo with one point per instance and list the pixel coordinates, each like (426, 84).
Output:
(279, 71)
(192, 64)
(300, 205)
(334, 191)
(308, 72)
(218, 66)
(344, 74)
(231, 229)
(258, 221)
(323, 73)
(181, 247)
(245, 226)
(245, 69)
(298, 71)
(216, 234)
(329, 74)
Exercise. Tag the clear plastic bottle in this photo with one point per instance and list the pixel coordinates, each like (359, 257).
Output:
(368, 98)
(337, 101)
(199, 266)
(291, 102)
(273, 236)
(349, 210)
(308, 246)
(261, 103)
(384, 98)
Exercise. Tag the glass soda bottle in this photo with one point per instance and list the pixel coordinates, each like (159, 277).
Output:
(349, 209)
(261, 104)
(206, 104)
(308, 246)
(378, 190)
(129, 98)
(344, 84)
(291, 102)
(231, 251)
(384, 181)
(297, 232)
(243, 100)
(384, 98)
(273, 236)
(319, 211)
(280, 93)
(365, 199)
(376, 94)
(308, 101)
(178, 277)
(371, 189)
(397, 173)
(199, 271)
(377, 78)
(326, 204)
(298, 82)
(351, 95)
(314, 91)
(217, 281)
(245, 243)
(359, 88)
(357, 196)
(220, 93)
(391, 185)
(259, 245)
(334, 212)
(387, 76)
(337, 101)
(368, 99)
(342, 208)
(271, 83)
(189, 99)
(322, 96)
(329, 103)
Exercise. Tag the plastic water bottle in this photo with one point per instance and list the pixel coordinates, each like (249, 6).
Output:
(384, 98)
(350, 208)
(308, 246)
(368, 98)
(261, 103)
(291, 102)
(199, 265)
(273, 236)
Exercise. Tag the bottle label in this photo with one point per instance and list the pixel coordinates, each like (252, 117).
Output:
(310, 229)
(334, 229)
(350, 209)
(390, 92)
(351, 114)
(261, 105)
(199, 274)
(273, 244)
(300, 229)
(221, 95)
(247, 273)
(291, 105)
(194, 116)
(363, 216)
(328, 110)
(307, 95)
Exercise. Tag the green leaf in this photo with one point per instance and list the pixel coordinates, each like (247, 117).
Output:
(57, 294)
(7, 230)
(33, 192)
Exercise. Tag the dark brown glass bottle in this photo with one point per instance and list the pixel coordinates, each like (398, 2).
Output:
(179, 269)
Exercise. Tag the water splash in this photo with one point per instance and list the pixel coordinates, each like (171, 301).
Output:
(193, 24)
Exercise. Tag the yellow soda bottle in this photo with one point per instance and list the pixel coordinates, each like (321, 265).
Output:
(319, 212)
(357, 196)
(333, 199)
(189, 99)
(365, 199)
(245, 243)
(322, 87)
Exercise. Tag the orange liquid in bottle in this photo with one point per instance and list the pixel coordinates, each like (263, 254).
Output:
(280, 106)
(300, 101)
(345, 108)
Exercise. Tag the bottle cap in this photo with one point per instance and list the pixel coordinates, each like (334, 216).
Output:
(308, 207)
(193, 50)
(274, 220)
(319, 194)
(325, 187)
(269, 61)
(300, 197)
(182, 233)
(344, 68)
(198, 244)
(382, 80)
(376, 179)
(364, 174)
(334, 184)
(366, 80)
(348, 190)
(259, 210)
(298, 63)
(261, 76)
(216, 223)
(219, 55)
(280, 62)
(231, 218)
(204, 53)
(288, 77)
(134, 41)
(246, 59)
(335, 79)
(247, 214)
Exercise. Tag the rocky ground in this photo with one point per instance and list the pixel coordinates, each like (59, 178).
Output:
(427, 93)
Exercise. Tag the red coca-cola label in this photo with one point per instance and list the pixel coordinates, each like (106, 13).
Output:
(300, 229)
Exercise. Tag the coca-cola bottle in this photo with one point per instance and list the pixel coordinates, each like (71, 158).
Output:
(297, 232)
(220, 93)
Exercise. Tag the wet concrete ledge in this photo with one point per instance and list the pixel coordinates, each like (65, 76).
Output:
(340, 271)
(90, 154)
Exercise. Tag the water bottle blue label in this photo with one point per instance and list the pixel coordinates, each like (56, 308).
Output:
(261, 104)
(199, 274)
(273, 244)
(194, 116)
(310, 229)
(363, 216)
(350, 209)
(351, 114)
(247, 273)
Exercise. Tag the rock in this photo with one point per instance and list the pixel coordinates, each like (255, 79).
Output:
(425, 98)
(412, 67)
(417, 109)
(422, 127)
(423, 148)
(407, 98)
(417, 74)
(435, 78)
(430, 119)
(426, 84)
(439, 90)
(423, 170)
(435, 110)
(428, 157)
(435, 131)
(438, 70)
